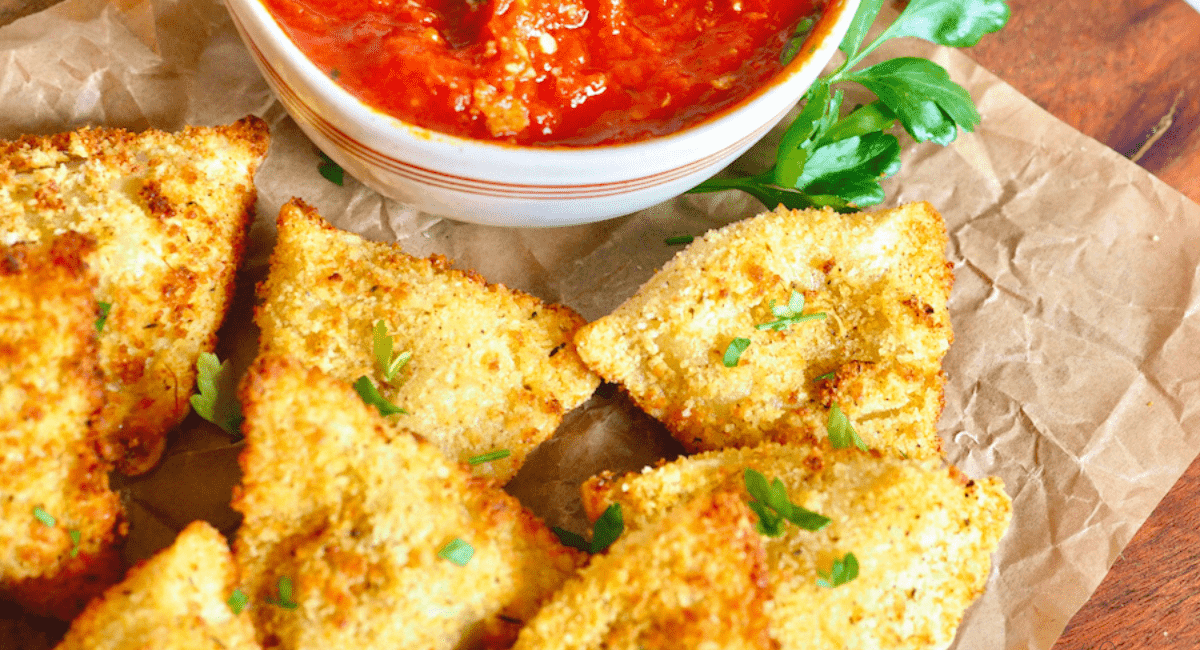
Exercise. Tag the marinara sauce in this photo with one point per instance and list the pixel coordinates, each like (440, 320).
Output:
(565, 72)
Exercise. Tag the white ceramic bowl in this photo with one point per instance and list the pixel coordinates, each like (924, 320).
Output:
(507, 185)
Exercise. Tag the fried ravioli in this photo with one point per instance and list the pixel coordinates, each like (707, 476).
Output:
(491, 368)
(922, 535)
(696, 579)
(880, 281)
(381, 541)
(178, 599)
(59, 521)
(169, 214)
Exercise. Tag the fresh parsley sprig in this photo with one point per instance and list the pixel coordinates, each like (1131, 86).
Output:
(843, 570)
(789, 314)
(283, 589)
(773, 507)
(826, 159)
(370, 394)
(498, 454)
(605, 531)
(216, 396)
(457, 551)
(389, 362)
(841, 432)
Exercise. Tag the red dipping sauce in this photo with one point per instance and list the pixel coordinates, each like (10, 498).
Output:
(562, 72)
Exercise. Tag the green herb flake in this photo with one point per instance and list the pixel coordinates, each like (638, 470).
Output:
(789, 314)
(370, 394)
(76, 537)
(105, 307)
(829, 375)
(489, 457)
(842, 571)
(605, 531)
(841, 432)
(283, 587)
(237, 601)
(679, 240)
(332, 171)
(733, 353)
(216, 396)
(46, 518)
(457, 551)
(389, 363)
(772, 505)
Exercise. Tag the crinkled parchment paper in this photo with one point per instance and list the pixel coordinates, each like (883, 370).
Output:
(1072, 376)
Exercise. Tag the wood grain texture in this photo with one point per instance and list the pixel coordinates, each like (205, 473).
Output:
(1113, 70)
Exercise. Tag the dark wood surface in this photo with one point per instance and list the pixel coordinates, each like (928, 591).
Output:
(1126, 73)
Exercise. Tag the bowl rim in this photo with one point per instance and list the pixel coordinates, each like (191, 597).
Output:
(780, 89)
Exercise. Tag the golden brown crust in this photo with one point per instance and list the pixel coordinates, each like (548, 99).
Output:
(491, 368)
(176, 599)
(49, 389)
(922, 537)
(354, 513)
(881, 279)
(169, 214)
(697, 579)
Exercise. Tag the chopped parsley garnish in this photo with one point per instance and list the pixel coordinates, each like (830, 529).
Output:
(825, 159)
(283, 587)
(679, 240)
(457, 551)
(237, 601)
(841, 433)
(369, 394)
(829, 375)
(843, 571)
(76, 537)
(773, 507)
(46, 518)
(488, 457)
(733, 353)
(105, 307)
(605, 531)
(216, 396)
(389, 362)
(330, 170)
(789, 314)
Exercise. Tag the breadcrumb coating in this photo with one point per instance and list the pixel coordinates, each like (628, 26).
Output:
(178, 599)
(491, 368)
(922, 533)
(880, 278)
(169, 214)
(53, 485)
(354, 514)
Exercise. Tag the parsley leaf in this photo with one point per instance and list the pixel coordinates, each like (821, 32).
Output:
(733, 353)
(773, 507)
(216, 397)
(46, 518)
(332, 171)
(457, 551)
(237, 601)
(105, 307)
(389, 363)
(841, 433)
(842, 571)
(678, 240)
(489, 456)
(369, 394)
(838, 162)
(283, 587)
(605, 531)
(76, 536)
(789, 314)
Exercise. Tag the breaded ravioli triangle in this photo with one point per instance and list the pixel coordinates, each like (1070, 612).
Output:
(696, 579)
(922, 535)
(59, 521)
(169, 214)
(492, 369)
(179, 599)
(881, 281)
(359, 536)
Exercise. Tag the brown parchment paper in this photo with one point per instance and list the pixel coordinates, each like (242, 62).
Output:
(1073, 375)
